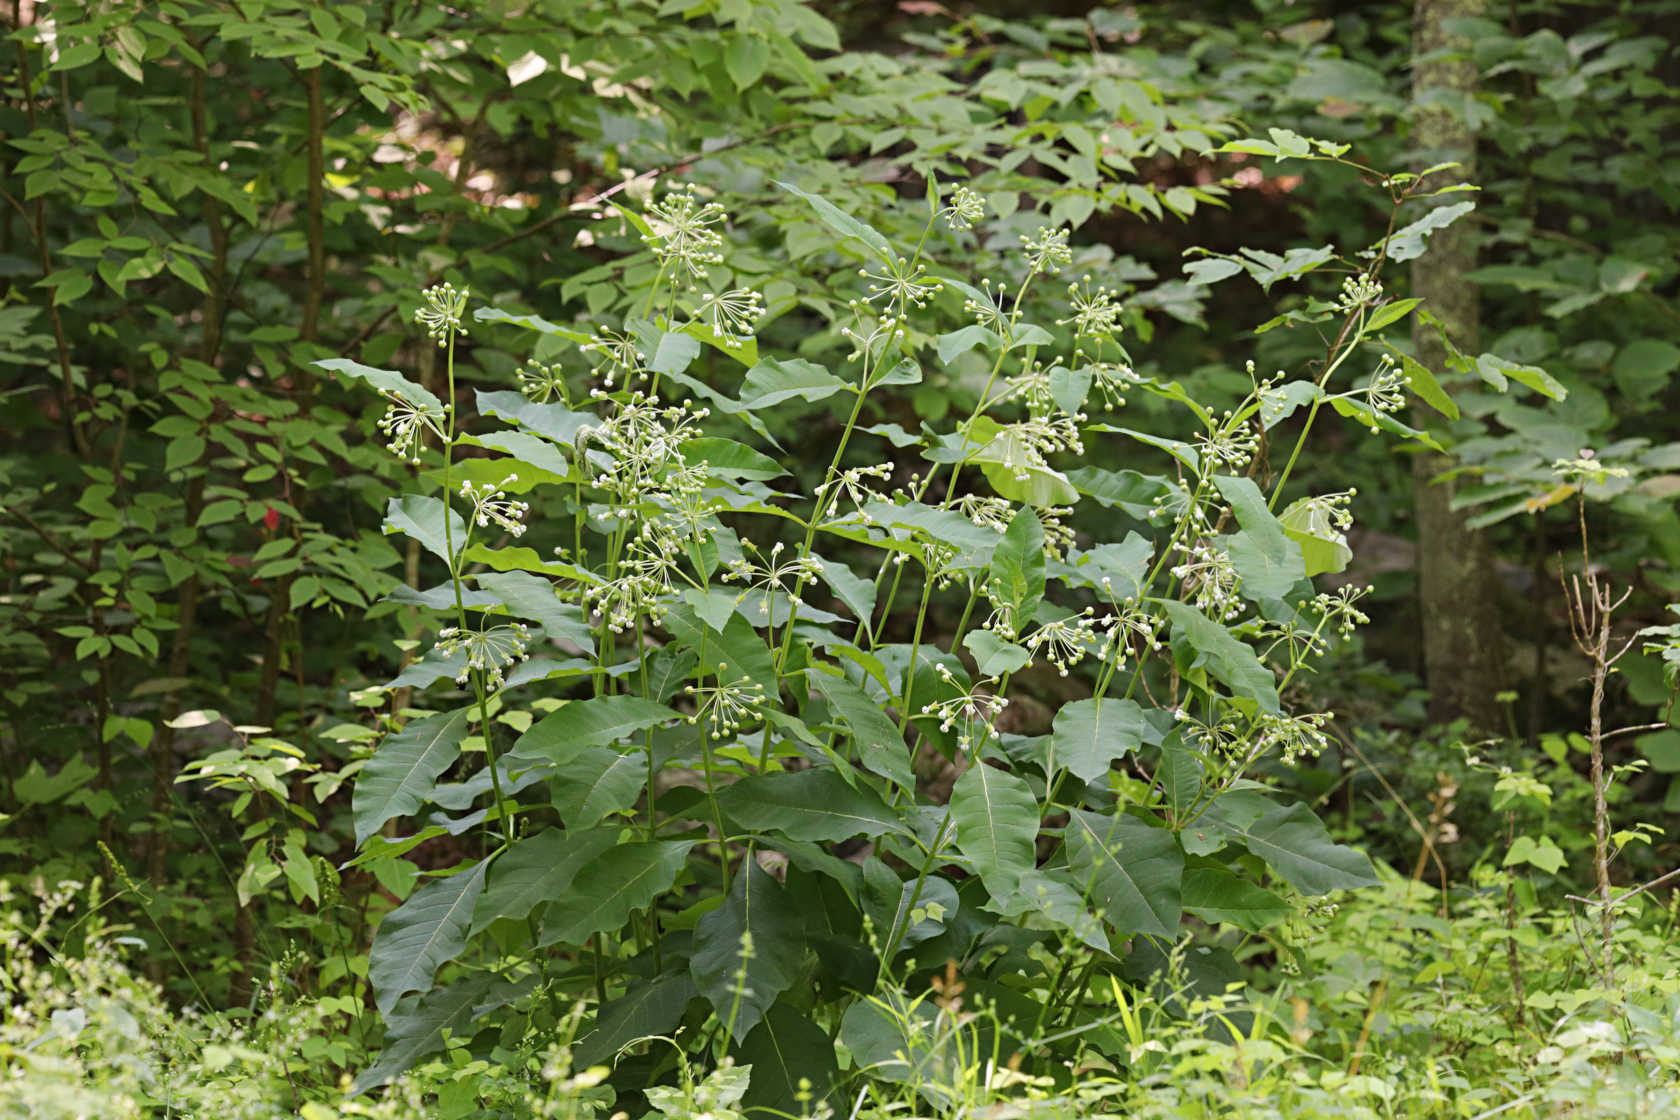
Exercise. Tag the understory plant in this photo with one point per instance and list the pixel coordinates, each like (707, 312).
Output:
(743, 765)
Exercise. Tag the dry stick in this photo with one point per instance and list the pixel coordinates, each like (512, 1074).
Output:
(1590, 614)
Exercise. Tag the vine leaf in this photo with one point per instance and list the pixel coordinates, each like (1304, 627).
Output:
(997, 821)
(757, 905)
(1134, 870)
(400, 776)
(421, 935)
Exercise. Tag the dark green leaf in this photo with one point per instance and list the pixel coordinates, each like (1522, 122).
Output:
(756, 906)
(399, 776)
(421, 935)
(1133, 871)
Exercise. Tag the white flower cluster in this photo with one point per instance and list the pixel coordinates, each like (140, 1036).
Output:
(492, 506)
(440, 313)
(1358, 291)
(540, 383)
(1094, 312)
(1065, 642)
(772, 575)
(682, 232)
(963, 209)
(489, 650)
(728, 706)
(971, 710)
(900, 286)
(848, 485)
(1227, 447)
(732, 315)
(615, 354)
(1210, 580)
(1047, 250)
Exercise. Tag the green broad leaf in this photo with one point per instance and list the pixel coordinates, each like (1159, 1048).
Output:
(554, 422)
(1642, 368)
(775, 380)
(597, 782)
(895, 1040)
(902, 913)
(906, 372)
(737, 647)
(994, 656)
(964, 339)
(1132, 869)
(648, 1008)
(1294, 843)
(1494, 369)
(1267, 559)
(745, 57)
(1228, 659)
(515, 558)
(1017, 572)
(596, 722)
(815, 804)
(423, 934)
(841, 222)
(605, 892)
(1089, 735)
(1115, 570)
(742, 350)
(537, 870)
(1407, 243)
(535, 460)
(422, 518)
(1324, 547)
(1178, 449)
(421, 1025)
(1541, 852)
(531, 596)
(183, 451)
(674, 352)
(1427, 387)
(388, 380)
(1361, 413)
(793, 1065)
(759, 908)
(398, 778)
(1210, 270)
(851, 589)
(530, 322)
(1054, 898)
(1004, 457)
(1214, 893)
(997, 822)
(725, 458)
(879, 746)
(1390, 313)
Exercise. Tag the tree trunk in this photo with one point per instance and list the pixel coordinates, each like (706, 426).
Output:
(1457, 589)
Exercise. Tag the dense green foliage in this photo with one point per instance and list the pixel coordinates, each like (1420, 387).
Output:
(739, 557)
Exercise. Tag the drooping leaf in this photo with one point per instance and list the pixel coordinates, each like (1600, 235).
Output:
(537, 870)
(421, 517)
(1134, 870)
(814, 804)
(904, 913)
(1407, 242)
(880, 747)
(552, 421)
(757, 905)
(1295, 844)
(595, 722)
(652, 1007)
(387, 380)
(841, 222)
(1017, 572)
(1269, 562)
(398, 777)
(996, 818)
(421, 935)
(1216, 894)
(416, 1026)
(1225, 657)
(775, 380)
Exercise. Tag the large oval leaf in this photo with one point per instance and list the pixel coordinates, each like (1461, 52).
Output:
(759, 906)
(808, 805)
(421, 935)
(1133, 870)
(402, 772)
(997, 822)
